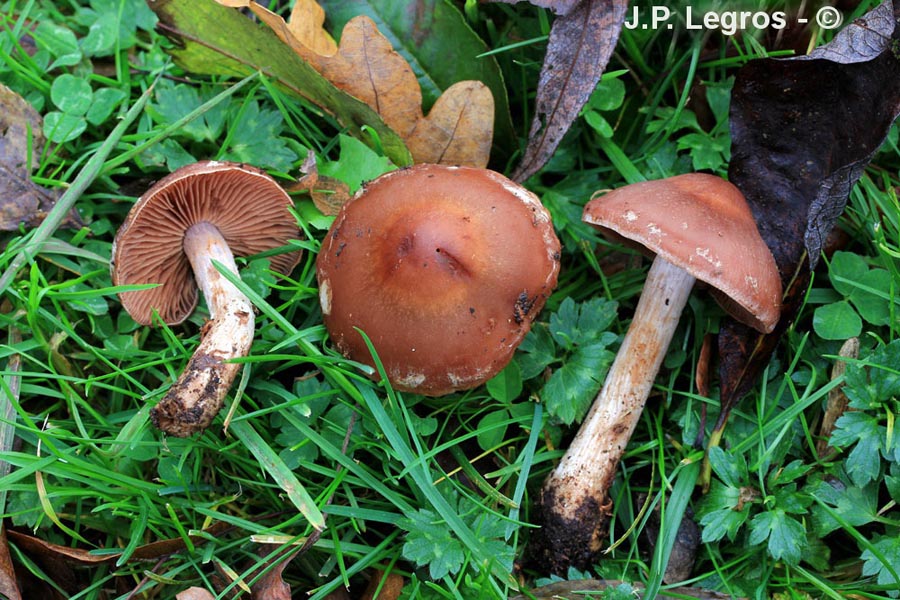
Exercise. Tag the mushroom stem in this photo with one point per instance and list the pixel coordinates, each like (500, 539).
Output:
(197, 396)
(574, 504)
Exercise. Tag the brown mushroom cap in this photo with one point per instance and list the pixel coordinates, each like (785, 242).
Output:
(444, 268)
(244, 203)
(702, 224)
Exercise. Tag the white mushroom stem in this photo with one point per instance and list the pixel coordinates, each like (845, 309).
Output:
(198, 394)
(575, 500)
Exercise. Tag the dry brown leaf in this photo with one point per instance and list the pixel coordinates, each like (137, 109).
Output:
(306, 22)
(150, 551)
(388, 586)
(367, 66)
(327, 193)
(837, 402)
(21, 200)
(458, 130)
(304, 28)
(302, 47)
(272, 586)
(580, 45)
(194, 593)
(9, 587)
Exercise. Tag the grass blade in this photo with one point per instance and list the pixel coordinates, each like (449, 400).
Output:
(275, 467)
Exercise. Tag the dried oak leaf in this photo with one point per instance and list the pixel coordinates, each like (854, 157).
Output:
(22, 202)
(580, 45)
(803, 130)
(212, 39)
(466, 106)
(306, 21)
(367, 67)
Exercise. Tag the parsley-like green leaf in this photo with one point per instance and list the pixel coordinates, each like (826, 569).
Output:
(571, 388)
(536, 351)
(863, 464)
(730, 467)
(875, 380)
(358, 163)
(887, 570)
(255, 139)
(580, 331)
(172, 102)
(786, 536)
(719, 513)
(850, 505)
(586, 323)
(430, 542)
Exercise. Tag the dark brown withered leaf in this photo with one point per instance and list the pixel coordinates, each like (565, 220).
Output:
(272, 586)
(9, 587)
(803, 130)
(56, 553)
(21, 200)
(578, 50)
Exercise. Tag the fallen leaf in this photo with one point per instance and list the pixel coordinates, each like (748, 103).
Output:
(327, 193)
(215, 40)
(9, 588)
(803, 130)
(560, 7)
(441, 47)
(306, 21)
(580, 45)
(65, 554)
(367, 67)
(22, 202)
(194, 593)
(271, 586)
(387, 586)
(303, 30)
(459, 128)
(837, 402)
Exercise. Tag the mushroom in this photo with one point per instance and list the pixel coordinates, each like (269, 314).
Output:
(699, 227)
(204, 212)
(443, 268)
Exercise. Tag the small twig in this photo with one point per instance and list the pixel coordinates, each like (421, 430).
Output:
(146, 578)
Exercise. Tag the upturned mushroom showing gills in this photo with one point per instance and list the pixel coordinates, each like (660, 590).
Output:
(204, 212)
(443, 268)
(698, 227)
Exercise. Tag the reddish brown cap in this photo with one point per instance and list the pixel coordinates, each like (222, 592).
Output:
(444, 268)
(244, 203)
(702, 224)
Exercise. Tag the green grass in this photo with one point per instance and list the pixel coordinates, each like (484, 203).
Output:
(437, 490)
